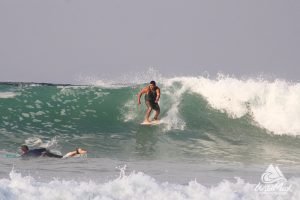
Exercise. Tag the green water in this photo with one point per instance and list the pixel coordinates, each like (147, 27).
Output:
(106, 122)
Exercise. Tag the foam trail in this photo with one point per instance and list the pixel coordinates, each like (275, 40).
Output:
(172, 119)
(128, 110)
(6, 95)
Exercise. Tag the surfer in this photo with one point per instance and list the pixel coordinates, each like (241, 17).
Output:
(43, 152)
(152, 95)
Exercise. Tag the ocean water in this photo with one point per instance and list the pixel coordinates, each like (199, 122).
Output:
(216, 139)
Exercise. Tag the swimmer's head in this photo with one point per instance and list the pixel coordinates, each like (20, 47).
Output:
(24, 148)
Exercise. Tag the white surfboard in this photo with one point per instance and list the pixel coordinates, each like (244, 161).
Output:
(154, 122)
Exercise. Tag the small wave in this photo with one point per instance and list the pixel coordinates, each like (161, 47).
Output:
(133, 186)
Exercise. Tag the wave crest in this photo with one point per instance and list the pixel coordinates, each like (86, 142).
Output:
(274, 106)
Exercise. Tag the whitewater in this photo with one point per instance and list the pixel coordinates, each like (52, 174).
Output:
(216, 138)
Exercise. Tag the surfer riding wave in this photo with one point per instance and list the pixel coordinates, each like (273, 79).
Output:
(152, 95)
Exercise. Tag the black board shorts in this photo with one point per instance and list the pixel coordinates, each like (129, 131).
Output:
(153, 105)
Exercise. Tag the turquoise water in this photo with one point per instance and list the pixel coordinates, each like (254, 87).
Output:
(106, 121)
(211, 130)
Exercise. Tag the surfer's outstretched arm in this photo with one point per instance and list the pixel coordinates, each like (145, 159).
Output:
(78, 151)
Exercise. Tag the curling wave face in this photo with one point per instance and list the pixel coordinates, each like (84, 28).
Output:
(210, 118)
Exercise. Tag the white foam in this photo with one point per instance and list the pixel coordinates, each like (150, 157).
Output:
(274, 106)
(25, 115)
(172, 118)
(38, 142)
(33, 142)
(6, 95)
(130, 110)
(135, 186)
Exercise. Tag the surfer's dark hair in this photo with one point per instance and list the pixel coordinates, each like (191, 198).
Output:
(25, 147)
(152, 82)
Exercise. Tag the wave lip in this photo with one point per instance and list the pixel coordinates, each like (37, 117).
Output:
(273, 106)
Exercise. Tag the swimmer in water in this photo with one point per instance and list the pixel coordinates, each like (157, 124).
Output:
(43, 152)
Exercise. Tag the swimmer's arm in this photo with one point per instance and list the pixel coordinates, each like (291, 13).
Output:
(74, 153)
(70, 154)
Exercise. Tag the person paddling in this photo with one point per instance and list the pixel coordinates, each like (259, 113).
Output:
(43, 152)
